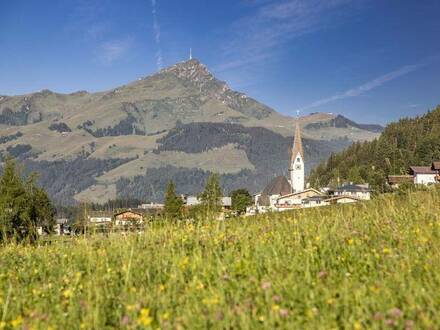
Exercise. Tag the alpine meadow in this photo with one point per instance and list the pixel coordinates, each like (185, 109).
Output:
(361, 266)
(233, 164)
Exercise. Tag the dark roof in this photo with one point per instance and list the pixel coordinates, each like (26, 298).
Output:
(436, 166)
(278, 186)
(422, 170)
(393, 179)
(353, 188)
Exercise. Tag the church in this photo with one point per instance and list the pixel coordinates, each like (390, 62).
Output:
(287, 193)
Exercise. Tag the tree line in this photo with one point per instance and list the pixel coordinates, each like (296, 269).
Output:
(211, 201)
(24, 206)
(408, 142)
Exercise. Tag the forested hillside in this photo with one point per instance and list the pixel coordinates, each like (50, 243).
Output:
(410, 141)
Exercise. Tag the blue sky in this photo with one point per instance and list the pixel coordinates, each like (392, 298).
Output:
(373, 61)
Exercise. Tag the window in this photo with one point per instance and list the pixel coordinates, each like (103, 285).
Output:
(298, 159)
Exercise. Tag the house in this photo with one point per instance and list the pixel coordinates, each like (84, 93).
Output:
(396, 180)
(100, 217)
(61, 227)
(294, 200)
(359, 191)
(276, 188)
(151, 206)
(436, 167)
(342, 199)
(129, 217)
(424, 174)
(226, 202)
(315, 201)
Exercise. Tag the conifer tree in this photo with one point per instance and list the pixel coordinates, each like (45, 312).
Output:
(211, 196)
(12, 202)
(173, 203)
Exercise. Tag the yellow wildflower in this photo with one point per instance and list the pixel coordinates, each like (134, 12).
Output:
(67, 293)
(16, 323)
(386, 250)
(330, 301)
(144, 317)
(350, 241)
(357, 325)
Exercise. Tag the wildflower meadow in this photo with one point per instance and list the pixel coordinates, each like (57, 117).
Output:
(370, 265)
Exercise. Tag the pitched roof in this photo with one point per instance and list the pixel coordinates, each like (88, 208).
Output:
(353, 188)
(318, 193)
(278, 186)
(297, 143)
(315, 198)
(436, 166)
(393, 179)
(422, 170)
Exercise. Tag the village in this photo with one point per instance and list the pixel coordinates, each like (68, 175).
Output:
(281, 194)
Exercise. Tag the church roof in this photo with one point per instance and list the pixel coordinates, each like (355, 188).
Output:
(297, 143)
(278, 186)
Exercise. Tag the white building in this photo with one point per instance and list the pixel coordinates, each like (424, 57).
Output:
(100, 217)
(358, 191)
(226, 202)
(295, 200)
(424, 174)
(296, 168)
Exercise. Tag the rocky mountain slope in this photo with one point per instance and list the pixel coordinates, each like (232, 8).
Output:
(180, 123)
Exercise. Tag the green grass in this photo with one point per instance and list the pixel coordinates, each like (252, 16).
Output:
(371, 265)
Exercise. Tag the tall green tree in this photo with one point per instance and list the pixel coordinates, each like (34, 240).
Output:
(23, 206)
(13, 200)
(173, 203)
(241, 198)
(211, 196)
(41, 212)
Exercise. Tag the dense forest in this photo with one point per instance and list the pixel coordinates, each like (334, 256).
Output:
(64, 178)
(266, 150)
(408, 142)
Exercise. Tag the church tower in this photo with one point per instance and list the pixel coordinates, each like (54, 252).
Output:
(296, 169)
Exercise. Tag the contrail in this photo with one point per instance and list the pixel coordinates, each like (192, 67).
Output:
(156, 28)
(367, 86)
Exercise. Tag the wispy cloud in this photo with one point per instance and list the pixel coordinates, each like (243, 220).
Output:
(110, 51)
(273, 23)
(156, 29)
(370, 85)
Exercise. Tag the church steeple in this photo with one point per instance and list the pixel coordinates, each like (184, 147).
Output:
(296, 168)
(297, 143)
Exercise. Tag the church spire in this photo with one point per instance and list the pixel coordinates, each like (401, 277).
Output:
(297, 143)
(296, 169)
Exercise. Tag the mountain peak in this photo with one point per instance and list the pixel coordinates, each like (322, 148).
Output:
(192, 70)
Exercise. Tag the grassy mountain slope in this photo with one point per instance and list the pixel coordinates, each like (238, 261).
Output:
(129, 122)
(407, 142)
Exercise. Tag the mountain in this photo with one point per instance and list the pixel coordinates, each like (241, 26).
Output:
(180, 123)
(408, 142)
